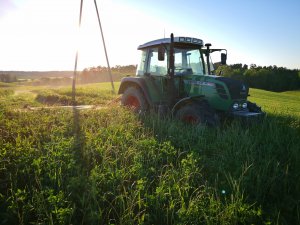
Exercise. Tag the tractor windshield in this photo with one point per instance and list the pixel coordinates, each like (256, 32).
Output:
(188, 62)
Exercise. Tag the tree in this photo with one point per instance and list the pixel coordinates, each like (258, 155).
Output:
(8, 78)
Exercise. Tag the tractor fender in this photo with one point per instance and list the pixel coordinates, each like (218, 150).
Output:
(135, 82)
(184, 101)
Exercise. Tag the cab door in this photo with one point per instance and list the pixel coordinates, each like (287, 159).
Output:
(156, 74)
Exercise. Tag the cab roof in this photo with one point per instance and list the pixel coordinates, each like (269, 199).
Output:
(181, 40)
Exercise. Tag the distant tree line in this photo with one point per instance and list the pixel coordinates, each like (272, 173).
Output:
(100, 73)
(270, 78)
(7, 78)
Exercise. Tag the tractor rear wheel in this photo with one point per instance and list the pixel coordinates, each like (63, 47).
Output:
(134, 99)
(198, 114)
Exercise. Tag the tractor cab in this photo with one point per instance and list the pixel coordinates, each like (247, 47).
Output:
(188, 58)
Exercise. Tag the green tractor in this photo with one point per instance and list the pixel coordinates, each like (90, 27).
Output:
(176, 75)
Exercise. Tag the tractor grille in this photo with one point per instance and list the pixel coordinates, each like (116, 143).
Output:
(237, 89)
(221, 91)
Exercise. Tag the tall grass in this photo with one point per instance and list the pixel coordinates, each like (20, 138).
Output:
(108, 171)
(263, 158)
(5, 92)
(109, 166)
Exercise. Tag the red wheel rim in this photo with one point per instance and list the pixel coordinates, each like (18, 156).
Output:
(133, 102)
(190, 119)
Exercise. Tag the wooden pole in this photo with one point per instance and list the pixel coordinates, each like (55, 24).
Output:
(102, 35)
(76, 59)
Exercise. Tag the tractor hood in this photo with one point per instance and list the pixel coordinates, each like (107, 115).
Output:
(237, 89)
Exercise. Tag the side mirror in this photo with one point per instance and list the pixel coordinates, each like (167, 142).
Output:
(161, 53)
(223, 58)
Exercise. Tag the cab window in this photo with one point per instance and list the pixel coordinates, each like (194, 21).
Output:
(141, 66)
(156, 67)
(188, 61)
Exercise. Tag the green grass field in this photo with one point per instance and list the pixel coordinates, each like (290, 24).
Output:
(277, 103)
(110, 166)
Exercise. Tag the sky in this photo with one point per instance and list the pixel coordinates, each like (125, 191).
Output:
(43, 35)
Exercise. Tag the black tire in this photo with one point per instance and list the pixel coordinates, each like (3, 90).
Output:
(134, 99)
(198, 114)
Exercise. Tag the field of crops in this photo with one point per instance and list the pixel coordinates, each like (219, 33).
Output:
(106, 165)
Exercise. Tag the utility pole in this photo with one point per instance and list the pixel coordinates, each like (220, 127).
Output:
(76, 59)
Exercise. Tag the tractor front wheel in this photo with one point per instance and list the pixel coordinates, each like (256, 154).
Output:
(134, 99)
(197, 114)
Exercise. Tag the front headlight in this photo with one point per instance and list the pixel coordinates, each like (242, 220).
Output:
(235, 106)
(244, 105)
